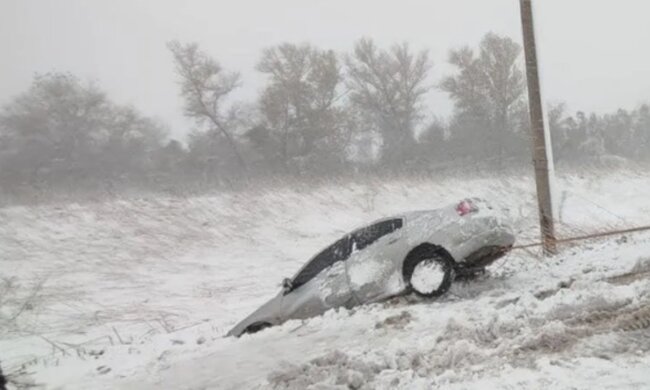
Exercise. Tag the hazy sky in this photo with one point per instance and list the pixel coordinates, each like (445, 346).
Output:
(594, 52)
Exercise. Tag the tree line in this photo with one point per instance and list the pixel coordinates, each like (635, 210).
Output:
(319, 113)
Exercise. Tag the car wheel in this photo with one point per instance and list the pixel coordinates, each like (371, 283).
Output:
(256, 327)
(428, 271)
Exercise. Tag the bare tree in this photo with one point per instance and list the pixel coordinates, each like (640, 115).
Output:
(205, 86)
(299, 103)
(388, 86)
(63, 131)
(488, 87)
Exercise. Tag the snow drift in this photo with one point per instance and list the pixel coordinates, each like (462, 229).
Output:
(137, 293)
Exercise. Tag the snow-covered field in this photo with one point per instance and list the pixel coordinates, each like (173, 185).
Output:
(138, 293)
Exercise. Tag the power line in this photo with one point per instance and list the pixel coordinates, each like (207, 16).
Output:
(587, 237)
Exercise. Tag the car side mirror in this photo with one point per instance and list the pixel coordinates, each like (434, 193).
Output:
(286, 285)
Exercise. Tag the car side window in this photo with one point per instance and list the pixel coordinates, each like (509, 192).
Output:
(368, 235)
(338, 251)
(341, 249)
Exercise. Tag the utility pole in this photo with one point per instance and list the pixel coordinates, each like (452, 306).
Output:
(542, 156)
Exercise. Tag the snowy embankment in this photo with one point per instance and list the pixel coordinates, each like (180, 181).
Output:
(138, 293)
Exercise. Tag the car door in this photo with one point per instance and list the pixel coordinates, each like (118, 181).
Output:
(321, 284)
(373, 264)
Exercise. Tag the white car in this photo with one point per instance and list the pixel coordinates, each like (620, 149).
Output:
(420, 252)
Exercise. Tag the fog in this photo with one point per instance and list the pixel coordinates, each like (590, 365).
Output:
(166, 166)
(592, 51)
(107, 97)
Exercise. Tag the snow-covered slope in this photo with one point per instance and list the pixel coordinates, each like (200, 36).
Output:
(138, 293)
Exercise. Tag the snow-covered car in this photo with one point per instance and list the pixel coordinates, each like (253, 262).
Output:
(419, 252)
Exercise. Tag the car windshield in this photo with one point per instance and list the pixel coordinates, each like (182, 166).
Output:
(338, 251)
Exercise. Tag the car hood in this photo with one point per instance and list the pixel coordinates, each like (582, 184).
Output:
(268, 312)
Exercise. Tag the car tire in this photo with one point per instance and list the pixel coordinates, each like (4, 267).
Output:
(429, 255)
(256, 327)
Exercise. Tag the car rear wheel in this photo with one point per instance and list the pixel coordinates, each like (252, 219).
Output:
(428, 271)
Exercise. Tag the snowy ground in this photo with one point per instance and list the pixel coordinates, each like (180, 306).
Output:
(138, 293)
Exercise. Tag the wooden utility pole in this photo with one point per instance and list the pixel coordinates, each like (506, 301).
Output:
(542, 156)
